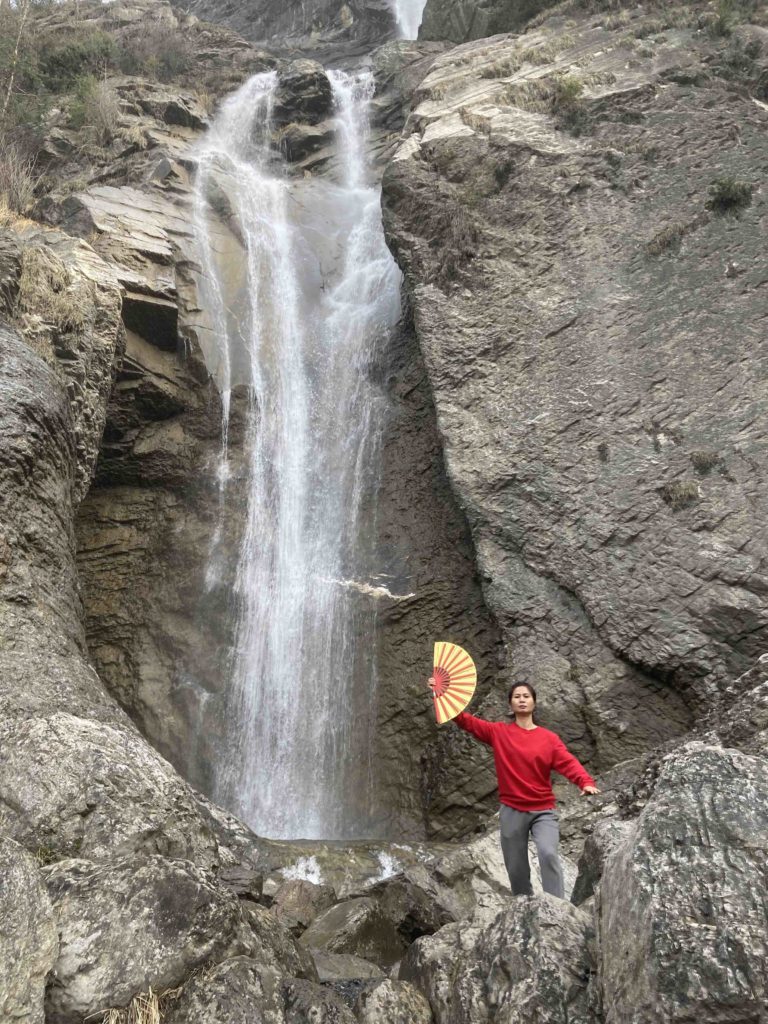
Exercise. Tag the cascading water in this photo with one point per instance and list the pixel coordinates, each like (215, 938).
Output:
(408, 15)
(300, 323)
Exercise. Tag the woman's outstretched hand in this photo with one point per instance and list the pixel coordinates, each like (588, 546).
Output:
(589, 791)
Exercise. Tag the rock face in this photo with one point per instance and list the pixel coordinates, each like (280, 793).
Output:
(605, 453)
(424, 770)
(130, 925)
(233, 991)
(328, 28)
(532, 962)
(462, 20)
(28, 942)
(393, 1002)
(682, 923)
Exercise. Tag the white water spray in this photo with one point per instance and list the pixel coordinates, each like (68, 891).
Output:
(300, 324)
(408, 15)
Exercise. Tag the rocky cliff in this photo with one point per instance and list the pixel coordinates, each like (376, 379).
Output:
(585, 286)
(573, 482)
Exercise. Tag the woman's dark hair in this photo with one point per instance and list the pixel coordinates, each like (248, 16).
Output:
(516, 686)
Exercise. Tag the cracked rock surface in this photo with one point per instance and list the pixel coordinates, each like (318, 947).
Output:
(591, 326)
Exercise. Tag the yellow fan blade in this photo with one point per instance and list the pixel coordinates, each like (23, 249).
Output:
(458, 678)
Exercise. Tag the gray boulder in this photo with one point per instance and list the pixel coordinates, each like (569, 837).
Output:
(681, 905)
(132, 924)
(238, 991)
(28, 938)
(336, 967)
(303, 94)
(356, 926)
(604, 839)
(298, 902)
(531, 962)
(392, 1002)
(306, 1002)
(272, 945)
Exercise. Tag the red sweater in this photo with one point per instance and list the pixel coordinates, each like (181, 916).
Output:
(524, 759)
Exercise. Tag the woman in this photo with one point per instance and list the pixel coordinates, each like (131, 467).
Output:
(525, 754)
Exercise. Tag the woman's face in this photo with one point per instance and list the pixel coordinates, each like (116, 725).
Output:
(521, 701)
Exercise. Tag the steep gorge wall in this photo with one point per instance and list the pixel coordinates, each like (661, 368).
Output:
(591, 324)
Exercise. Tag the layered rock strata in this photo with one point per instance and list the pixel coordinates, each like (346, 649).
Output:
(587, 309)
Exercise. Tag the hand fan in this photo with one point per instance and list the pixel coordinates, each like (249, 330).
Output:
(453, 680)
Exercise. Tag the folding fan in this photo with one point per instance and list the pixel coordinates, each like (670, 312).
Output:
(453, 680)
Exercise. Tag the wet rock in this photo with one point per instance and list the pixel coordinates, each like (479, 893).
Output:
(129, 925)
(681, 912)
(28, 938)
(340, 967)
(303, 95)
(356, 926)
(299, 141)
(297, 903)
(392, 1002)
(531, 962)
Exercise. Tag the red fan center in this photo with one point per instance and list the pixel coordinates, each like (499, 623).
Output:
(441, 679)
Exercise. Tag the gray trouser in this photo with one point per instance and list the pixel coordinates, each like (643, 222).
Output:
(515, 826)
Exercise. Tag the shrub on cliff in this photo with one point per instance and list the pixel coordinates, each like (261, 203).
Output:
(728, 196)
(96, 106)
(60, 64)
(157, 49)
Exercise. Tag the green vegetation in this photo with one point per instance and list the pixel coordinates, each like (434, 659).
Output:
(567, 105)
(727, 196)
(566, 91)
(155, 50)
(59, 65)
(44, 58)
(726, 16)
(96, 106)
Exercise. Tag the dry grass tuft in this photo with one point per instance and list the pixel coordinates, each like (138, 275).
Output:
(49, 295)
(667, 240)
(134, 135)
(145, 1008)
(680, 494)
(18, 178)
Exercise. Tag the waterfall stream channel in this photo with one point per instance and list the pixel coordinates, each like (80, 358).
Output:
(298, 320)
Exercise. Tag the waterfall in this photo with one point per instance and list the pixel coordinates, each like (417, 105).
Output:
(300, 324)
(408, 15)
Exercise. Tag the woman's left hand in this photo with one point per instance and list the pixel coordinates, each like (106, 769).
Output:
(589, 791)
